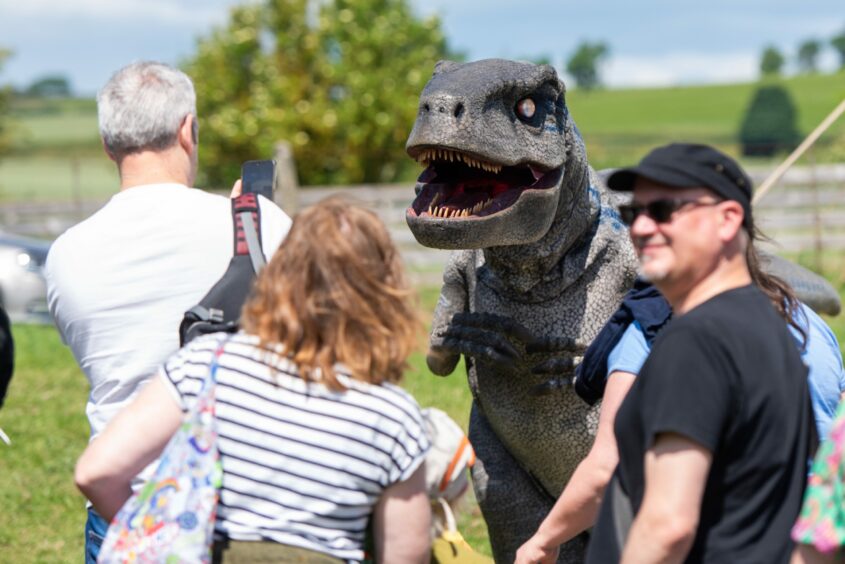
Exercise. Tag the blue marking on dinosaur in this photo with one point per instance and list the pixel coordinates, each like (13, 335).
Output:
(607, 214)
(551, 124)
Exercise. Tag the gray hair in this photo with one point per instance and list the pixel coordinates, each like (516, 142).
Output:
(142, 106)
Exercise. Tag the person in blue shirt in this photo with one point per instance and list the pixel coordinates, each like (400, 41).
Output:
(821, 355)
(577, 506)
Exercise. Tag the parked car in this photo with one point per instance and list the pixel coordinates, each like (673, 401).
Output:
(23, 288)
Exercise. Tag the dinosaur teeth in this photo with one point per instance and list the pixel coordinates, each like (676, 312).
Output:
(427, 156)
(450, 213)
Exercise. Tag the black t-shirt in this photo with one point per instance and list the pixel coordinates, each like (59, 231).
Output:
(728, 376)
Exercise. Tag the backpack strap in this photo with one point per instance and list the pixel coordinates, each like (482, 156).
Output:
(207, 313)
(246, 219)
(219, 310)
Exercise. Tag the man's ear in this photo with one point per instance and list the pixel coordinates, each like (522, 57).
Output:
(187, 134)
(730, 219)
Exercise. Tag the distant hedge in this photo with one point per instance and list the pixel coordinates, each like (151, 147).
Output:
(769, 125)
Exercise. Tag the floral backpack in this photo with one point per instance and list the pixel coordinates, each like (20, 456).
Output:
(171, 518)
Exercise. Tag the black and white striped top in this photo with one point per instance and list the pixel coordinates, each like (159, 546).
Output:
(302, 465)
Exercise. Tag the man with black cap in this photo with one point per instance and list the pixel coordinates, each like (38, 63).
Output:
(715, 434)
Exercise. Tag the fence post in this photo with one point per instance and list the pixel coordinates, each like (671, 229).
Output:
(287, 186)
(817, 218)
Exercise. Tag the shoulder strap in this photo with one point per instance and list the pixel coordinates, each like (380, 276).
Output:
(246, 219)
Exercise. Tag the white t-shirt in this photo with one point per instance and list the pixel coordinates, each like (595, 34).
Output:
(119, 282)
(302, 465)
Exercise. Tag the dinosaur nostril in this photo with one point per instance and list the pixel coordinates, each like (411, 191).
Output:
(426, 107)
(459, 110)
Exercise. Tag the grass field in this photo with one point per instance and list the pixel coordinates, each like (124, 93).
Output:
(40, 177)
(54, 138)
(620, 126)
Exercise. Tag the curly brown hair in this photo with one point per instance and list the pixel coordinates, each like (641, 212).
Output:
(336, 292)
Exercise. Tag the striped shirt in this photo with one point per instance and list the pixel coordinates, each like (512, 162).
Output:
(302, 465)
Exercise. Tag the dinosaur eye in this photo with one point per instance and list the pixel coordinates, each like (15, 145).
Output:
(526, 108)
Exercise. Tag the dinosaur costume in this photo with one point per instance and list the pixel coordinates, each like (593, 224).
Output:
(545, 262)
(541, 261)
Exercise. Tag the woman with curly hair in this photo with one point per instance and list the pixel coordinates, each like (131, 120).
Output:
(316, 440)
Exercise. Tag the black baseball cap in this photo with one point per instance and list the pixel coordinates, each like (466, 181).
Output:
(690, 165)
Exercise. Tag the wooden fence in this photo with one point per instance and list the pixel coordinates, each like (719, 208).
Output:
(804, 212)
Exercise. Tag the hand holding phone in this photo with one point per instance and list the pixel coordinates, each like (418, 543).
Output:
(258, 177)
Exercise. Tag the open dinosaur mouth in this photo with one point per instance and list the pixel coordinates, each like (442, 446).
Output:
(458, 185)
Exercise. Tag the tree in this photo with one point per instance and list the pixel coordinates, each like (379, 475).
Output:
(771, 62)
(339, 79)
(808, 52)
(769, 124)
(583, 64)
(53, 86)
(838, 43)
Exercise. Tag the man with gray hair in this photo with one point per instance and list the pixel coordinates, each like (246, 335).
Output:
(120, 281)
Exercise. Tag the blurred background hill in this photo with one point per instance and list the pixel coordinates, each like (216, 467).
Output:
(55, 151)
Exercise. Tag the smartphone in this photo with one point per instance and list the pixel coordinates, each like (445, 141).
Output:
(258, 177)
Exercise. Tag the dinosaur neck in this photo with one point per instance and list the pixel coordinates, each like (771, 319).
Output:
(532, 267)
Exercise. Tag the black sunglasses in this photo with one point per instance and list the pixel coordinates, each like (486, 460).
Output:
(660, 211)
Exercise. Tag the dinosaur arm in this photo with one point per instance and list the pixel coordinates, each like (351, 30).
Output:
(456, 330)
(453, 299)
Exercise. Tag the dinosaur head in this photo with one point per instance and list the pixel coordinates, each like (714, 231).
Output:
(491, 136)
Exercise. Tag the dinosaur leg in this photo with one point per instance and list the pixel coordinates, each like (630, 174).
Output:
(512, 503)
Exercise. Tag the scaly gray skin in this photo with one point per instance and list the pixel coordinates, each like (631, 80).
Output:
(535, 275)
(535, 280)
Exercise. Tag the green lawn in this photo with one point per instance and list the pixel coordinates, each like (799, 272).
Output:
(42, 516)
(55, 124)
(46, 177)
(619, 126)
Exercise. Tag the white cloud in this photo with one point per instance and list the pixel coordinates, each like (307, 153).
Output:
(680, 68)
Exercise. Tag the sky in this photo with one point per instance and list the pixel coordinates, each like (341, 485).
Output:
(652, 42)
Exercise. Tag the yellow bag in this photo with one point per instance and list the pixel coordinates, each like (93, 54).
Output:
(450, 547)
